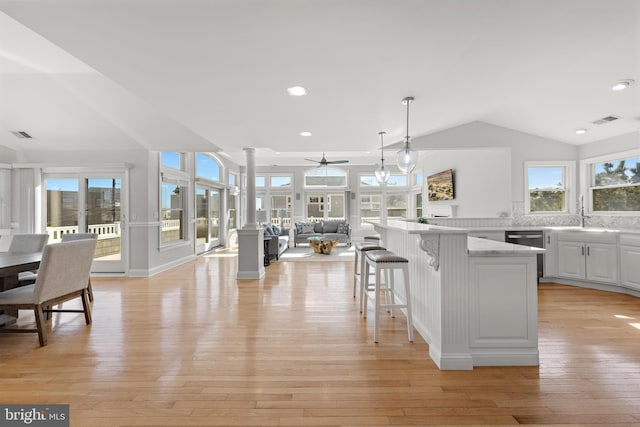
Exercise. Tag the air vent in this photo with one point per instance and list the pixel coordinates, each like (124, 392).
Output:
(21, 134)
(605, 120)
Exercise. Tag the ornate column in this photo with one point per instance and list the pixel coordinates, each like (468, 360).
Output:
(250, 155)
(250, 237)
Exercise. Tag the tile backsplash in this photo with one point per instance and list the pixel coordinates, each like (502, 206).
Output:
(601, 221)
(519, 219)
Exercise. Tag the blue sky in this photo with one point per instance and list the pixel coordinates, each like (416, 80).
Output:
(544, 177)
(71, 184)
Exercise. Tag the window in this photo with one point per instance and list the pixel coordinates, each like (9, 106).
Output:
(281, 210)
(417, 178)
(325, 177)
(397, 181)
(418, 200)
(233, 178)
(396, 205)
(616, 185)
(207, 167)
(280, 181)
(173, 189)
(172, 159)
(394, 181)
(172, 211)
(370, 205)
(260, 181)
(547, 187)
(325, 206)
(368, 181)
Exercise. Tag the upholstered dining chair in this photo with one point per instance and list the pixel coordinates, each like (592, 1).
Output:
(28, 243)
(68, 237)
(63, 275)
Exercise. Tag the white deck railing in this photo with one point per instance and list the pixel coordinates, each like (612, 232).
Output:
(103, 231)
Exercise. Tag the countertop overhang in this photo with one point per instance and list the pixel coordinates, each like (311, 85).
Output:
(475, 246)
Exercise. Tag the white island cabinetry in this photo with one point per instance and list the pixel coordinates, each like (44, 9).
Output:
(474, 300)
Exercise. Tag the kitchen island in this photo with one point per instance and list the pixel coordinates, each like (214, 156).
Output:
(474, 301)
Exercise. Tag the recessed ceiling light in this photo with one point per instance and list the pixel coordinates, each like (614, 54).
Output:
(622, 84)
(581, 131)
(297, 91)
(305, 133)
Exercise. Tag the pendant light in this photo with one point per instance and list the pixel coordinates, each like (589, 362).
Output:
(406, 157)
(382, 173)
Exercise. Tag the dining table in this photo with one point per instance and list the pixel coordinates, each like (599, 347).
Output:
(12, 264)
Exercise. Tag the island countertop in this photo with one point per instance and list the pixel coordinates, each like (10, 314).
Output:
(475, 246)
(478, 246)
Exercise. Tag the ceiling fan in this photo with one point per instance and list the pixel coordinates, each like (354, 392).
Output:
(325, 162)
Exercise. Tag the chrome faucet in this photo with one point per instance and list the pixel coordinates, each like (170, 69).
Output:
(582, 215)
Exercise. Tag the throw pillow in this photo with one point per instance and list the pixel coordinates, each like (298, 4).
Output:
(276, 230)
(268, 231)
(308, 228)
(330, 227)
(298, 227)
(343, 228)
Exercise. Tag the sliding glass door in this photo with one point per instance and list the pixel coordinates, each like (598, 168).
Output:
(88, 204)
(207, 218)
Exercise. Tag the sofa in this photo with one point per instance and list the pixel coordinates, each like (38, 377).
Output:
(330, 230)
(279, 240)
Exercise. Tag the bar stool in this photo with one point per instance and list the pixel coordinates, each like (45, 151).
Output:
(387, 261)
(358, 267)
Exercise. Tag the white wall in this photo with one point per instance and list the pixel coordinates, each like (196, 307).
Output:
(618, 144)
(523, 146)
(482, 179)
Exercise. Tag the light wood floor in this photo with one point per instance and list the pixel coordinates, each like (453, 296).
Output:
(194, 347)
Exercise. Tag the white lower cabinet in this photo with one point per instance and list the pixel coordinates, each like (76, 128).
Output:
(587, 260)
(630, 261)
(571, 262)
(602, 262)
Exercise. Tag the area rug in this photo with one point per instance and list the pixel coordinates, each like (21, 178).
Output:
(305, 253)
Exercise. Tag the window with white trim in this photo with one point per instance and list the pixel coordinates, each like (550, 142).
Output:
(615, 185)
(208, 167)
(172, 212)
(173, 195)
(325, 177)
(172, 159)
(547, 187)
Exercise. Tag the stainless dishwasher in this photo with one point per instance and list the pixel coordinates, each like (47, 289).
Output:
(533, 238)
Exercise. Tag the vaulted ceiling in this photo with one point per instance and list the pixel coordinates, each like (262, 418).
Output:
(198, 75)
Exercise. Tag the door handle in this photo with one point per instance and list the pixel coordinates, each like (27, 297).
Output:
(582, 250)
(524, 236)
(587, 250)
